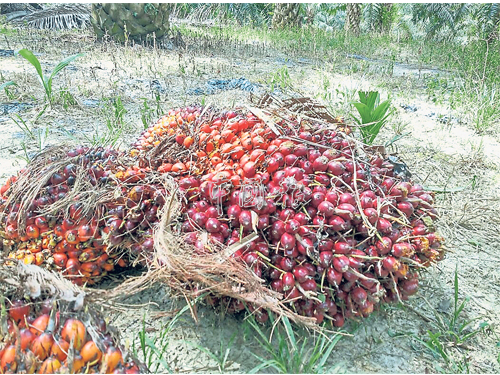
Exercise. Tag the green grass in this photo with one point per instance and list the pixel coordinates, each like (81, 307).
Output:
(291, 350)
(152, 349)
(469, 77)
(449, 332)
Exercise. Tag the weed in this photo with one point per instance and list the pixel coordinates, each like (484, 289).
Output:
(47, 80)
(148, 114)
(280, 79)
(113, 111)
(67, 99)
(21, 124)
(486, 111)
(40, 136)
(449, 332)
(373, 114)
(221, 357)
(152, 350)
(5, 87)
(24, 126)
(287, 354)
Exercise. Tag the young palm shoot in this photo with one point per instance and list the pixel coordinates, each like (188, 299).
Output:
(373, 114)
(46, 80)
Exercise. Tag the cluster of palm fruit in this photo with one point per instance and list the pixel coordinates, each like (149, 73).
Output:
(339, 232)
(39, 336)
(84, 247)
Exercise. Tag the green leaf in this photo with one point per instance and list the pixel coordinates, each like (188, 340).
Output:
(364, 112)
(28, 55)
(63, 64)
(372, 100)
(7, 84)
(381, 110)
(329, 350)
(362, 96)
(289, 332)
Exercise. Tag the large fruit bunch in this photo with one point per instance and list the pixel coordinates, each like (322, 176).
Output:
(77, 210)
(338, 231)
(45, 330)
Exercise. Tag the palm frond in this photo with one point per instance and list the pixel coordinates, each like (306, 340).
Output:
(60, 17)
(372, 14)
(488, 16)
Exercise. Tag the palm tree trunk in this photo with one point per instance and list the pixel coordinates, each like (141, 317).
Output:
(285, 15)
(353, 18)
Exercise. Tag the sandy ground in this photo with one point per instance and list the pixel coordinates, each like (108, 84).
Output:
(447, 157)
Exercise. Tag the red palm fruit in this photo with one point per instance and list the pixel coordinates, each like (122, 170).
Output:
(341, 263)
(342, 248)
(8, 360)
(86, 232)
(40, 324)
(71, 236)
(77, 364)
(41, 345)
(72, 266)
(287, 241)
(60, 349)
(390, 264)
(309, 285)
(50, 366)
(358, 295)
(333, 276)
(384, 245)
(90, 352)
(288, 280)
(74, 329)
(112, 358)
(338, 320)
(32, 231)
(19, 310)
(27, 338)
(60, 259)
(42, 223)
(68, 224)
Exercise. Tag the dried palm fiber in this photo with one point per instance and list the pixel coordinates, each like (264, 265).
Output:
(191, 274)
(61, 17)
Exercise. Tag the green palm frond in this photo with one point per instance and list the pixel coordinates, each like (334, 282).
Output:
(372, 14)
(438, 16)
(488, 15)
(243, 13)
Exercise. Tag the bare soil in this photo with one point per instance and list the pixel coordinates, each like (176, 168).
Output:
(460, 164)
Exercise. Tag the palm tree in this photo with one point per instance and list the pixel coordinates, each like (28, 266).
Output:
(286, 15)
(353, 18)
(437, 16)
(488, 17)
(378, 16)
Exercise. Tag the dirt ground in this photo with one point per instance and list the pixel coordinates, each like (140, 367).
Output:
(463, 166)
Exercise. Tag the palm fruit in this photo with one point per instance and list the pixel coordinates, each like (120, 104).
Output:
(83, 241)
(338, 232)
(48, 334)
(124, 21)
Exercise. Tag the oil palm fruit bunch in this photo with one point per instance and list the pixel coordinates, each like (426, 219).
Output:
(338, 232)
(130, 21)
(47, 335)
(59, 228)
